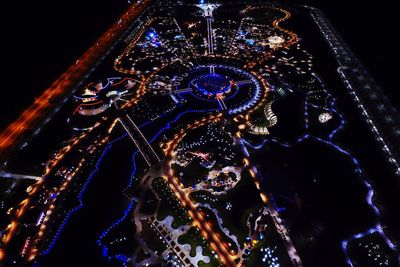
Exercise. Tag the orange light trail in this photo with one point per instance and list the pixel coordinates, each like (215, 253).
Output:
(226, 257)
(16, 131)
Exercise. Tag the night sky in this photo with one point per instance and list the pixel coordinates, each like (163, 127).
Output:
(33, 54)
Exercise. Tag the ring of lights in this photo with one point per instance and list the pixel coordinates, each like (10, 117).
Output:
(213, 81)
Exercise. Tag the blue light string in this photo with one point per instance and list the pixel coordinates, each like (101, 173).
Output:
(120, 257)
(358, 170)
(92, 174)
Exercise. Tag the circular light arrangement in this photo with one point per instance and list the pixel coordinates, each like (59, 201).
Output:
(234, 89)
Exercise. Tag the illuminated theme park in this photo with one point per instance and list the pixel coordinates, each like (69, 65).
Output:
(205, 133)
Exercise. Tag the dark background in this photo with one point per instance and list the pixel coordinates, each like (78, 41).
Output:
(40, 39)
